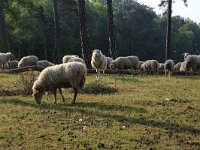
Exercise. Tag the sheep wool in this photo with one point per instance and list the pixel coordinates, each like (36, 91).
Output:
(129, 62)
(72, 74)
(4, 58)
(169, 66)
(45, 63)
(28, 61)
(98, 61)
(66, 58)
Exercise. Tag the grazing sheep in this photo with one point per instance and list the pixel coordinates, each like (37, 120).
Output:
(28, 61)
(177, 66)
(140, 64)
(109, 59)
(161, 66)
(66, 58)
(183, 67)
(45, 63)
(169, 66)
(72, 74)
(4, 58)
(98, 61)
(192, 62)
(13, 64)
(150, 65)
(76, 59)
(129, 62)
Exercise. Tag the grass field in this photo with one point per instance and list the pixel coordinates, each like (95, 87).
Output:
(147, 112)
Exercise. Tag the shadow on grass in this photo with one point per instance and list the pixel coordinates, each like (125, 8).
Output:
(80, 107)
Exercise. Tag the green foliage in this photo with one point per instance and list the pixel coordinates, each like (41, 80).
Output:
(139, 31)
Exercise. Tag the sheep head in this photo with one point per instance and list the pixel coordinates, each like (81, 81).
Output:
(37, 96)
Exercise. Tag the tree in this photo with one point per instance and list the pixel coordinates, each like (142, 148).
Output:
(3, 29)
(112, 43)
(168, 33)
(84, 36)
(57, 48)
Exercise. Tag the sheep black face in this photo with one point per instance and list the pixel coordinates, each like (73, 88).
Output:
(38, 96)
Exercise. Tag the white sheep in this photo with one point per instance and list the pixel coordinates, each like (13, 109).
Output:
(72, 74)
(192, 62)
(66, 58)
(177, 66)
(98, 61)
(161, 66)
(30, 60)
(168, 67)
(150, 65)
(45, 63)
(4, 58)
(13, 64)
(183, 67)
(76, 59)
(109, 59)
(129, 62)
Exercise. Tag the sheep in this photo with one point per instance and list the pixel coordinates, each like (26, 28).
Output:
(4, 58)
(183, 67)
(13, 64)
(72, 74)
(150, 65)
(168, 67)
(185, 55)
(45, 63)
(140, 64)
(66, 58)
(161, 66)
(98, 61)
(129, 62)
(109, 59)
(177, 66)
(76, 59)
(192, 62)
(28, 61)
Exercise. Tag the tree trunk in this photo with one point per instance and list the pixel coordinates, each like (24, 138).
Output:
(112, 43)
(168, 34)
(57, 41)
(84, 36)
(3, 29)
(45, 48)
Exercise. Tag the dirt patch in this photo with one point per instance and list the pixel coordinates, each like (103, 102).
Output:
(149, 103)
(98, 87)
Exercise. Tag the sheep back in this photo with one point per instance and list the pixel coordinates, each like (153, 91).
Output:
(28, 61)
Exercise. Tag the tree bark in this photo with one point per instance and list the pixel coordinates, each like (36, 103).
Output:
(3, 29)
(112, 42)
(84, 35)
(57, 41)
(168, 34)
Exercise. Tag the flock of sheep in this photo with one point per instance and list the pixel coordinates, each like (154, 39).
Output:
(72, 72)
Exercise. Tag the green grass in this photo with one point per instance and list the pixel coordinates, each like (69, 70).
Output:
(146, 112)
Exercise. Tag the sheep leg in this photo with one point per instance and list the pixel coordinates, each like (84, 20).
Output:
(60, 91)
(54, 93)
(75, 95)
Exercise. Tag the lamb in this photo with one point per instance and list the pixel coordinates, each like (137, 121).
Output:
(72, 74)
(13, 64)
(66, 58)
(177, 66)
(28, 61)
(4, 58)
(129, 62)
(98, 61)
(150, 65)
(168, 67)
(45, 63)
(109, 59)
(76, 59)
